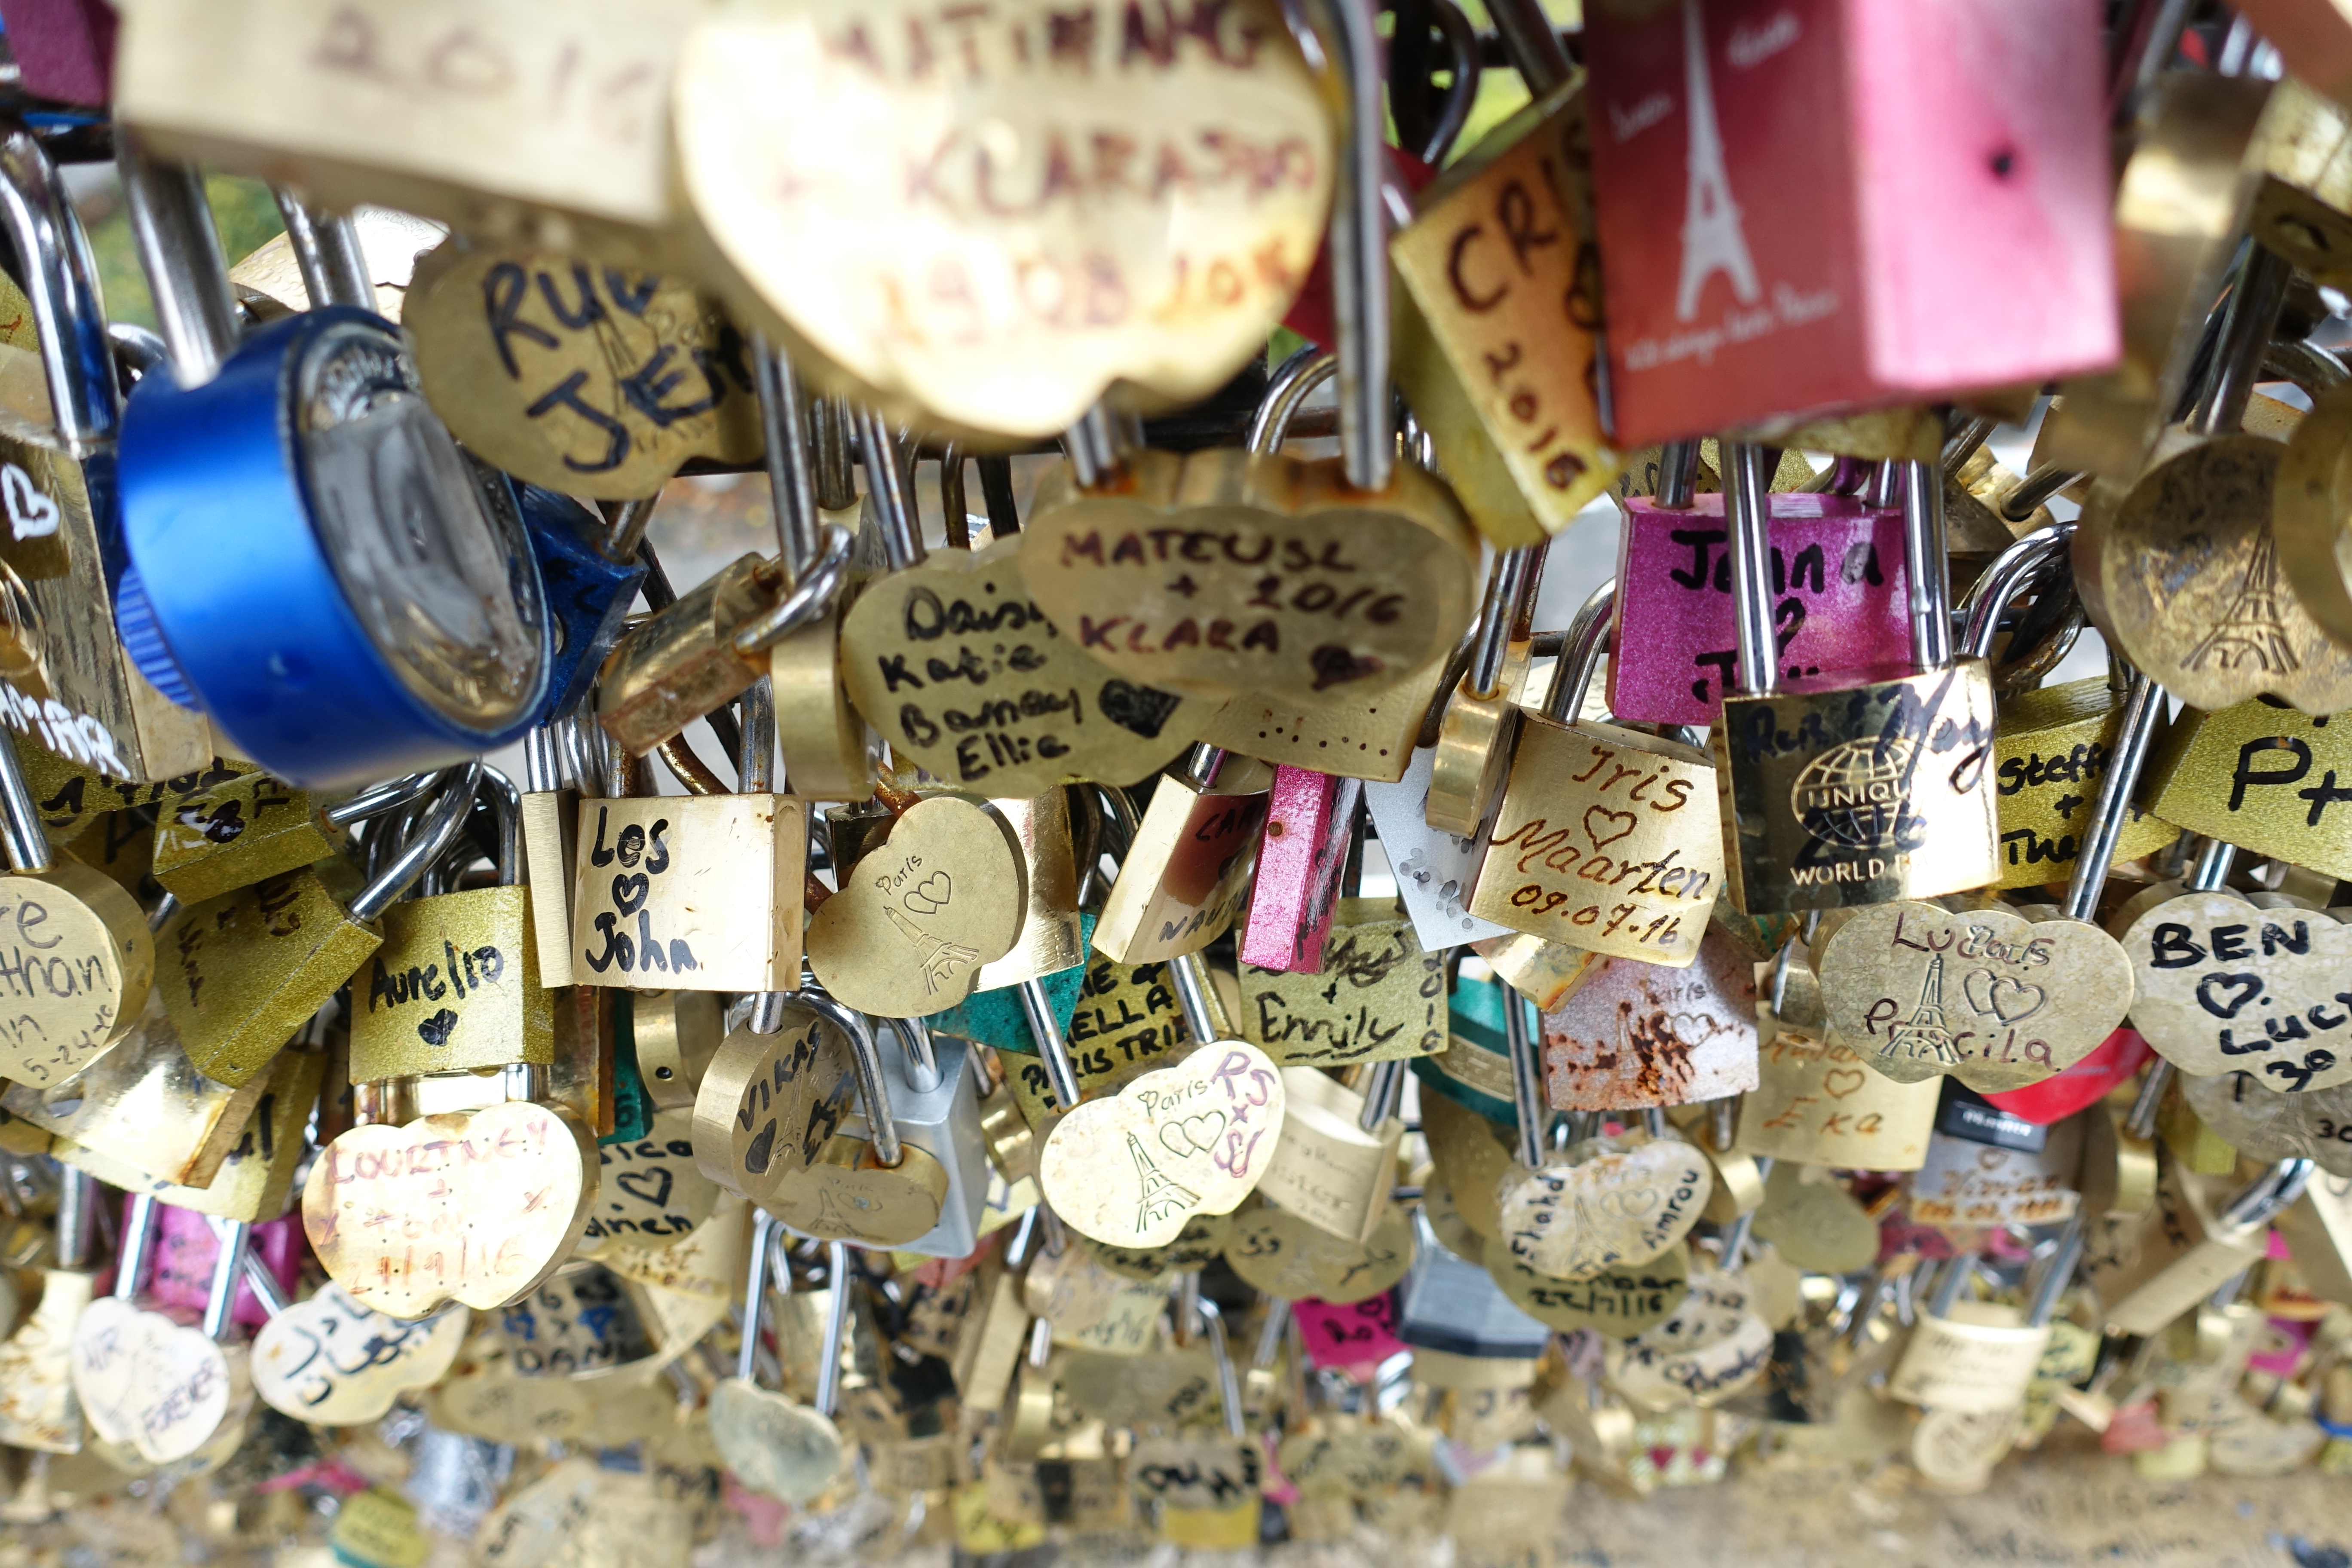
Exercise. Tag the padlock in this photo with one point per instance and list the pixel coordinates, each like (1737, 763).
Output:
(1371, 738)
(2257, 775)
(1336, 1162)
(66, 681)
(2148, 1273)
(1967, 1184)
(592, 571)
(1629, 1035)
(1386, 1002)
(243, 971)
(39, 1409)
(1481, 717)
(773, 1445)
(1834, 795)
(147, 1383)
(1187, 866)
(1576, 821)
(290, 429)
(868, 1185)
(1497, 321)
(251, 1155)
(454, 987)
(236, 833)
(1838, 591)
(1207, 1488)
(1311, 823)
(1730, 308)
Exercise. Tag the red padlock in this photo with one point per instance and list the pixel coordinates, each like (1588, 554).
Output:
(1880, 201)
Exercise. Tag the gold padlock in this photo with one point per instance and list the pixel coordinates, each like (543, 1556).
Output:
(1187, 872)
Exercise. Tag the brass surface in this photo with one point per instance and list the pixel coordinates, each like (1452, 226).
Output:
(911, 925)
(770, 1103)
(38, 1409)
(1814, 1224)
(1987, 996)
(847, 1194)
(700, 894)
(2303, 209)
(1474, 747)
(1496, 345)
(2051, 748)
(960, 672)
(650, 1194)
(1604, 1204)
(1966, 1184)
(332, 1362)
(1470, 1158)
(1127, 1023)
(551, 828)
(2310, 506)
(1052, 938)
(1199, 1244)
(579, 376)
(1617, 1303)
(1968, 1362)
(1817, 1105)
(1371, 739)
(2263, 1124)
(454, 988)
(2183, 575)
(681, 663)
(1834, 797)
(77, 965)
(489, 1203)
(1546, 973)
(1288, 1257)
(774, 1446)
(1221, 573)
(1190, 1139)
(239, 973)
(677, 1033)
(1714, 1346)
(2224, 987)
(1327, 1168)
(255, 1179)
(1380, 995)
(2257, 775)
(1015, 282)
(1588, 807)
(830, 753)
(534, 124)
(146, 1382)
(233, 835)
(1185, 876)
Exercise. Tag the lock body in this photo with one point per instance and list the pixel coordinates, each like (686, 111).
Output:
(1328, 1169)
(1186, 876)
(682, 664)
(1864, 252)
(588, 593)
(2266, 778)
(1839, 596)
(239, 973)
(1310, 821)
(1833, 796)
(701, 893)
(454, 988)
(237, 833)
(2050, 749)
(1631, 1034)
(942, 1123)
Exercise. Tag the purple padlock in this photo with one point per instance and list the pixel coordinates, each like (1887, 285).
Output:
(185, 1251)
(1311, 825)
(64, 48)
(1840, 602)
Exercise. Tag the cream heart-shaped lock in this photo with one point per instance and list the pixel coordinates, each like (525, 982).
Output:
(1281, 1253)
(961, 672)
(2227, 987)
(146, 1381)
(1185, 1140)
(1605, 1203)
(1222, 572)
(1984, 995)
(476, 1206)
(650, 1194)
(1618, 1302)
(2264, 1124)
(774, 1446)
(1712, 1346)
(1023, 207)
(332, 1362)
(921, 911)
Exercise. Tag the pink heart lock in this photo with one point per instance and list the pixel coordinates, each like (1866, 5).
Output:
(2085, 1083)
(186, 1248)
(1354, 1339)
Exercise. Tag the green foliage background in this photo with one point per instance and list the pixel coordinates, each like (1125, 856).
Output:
(242, 210)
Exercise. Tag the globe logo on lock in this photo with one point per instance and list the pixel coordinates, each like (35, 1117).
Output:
(1857, 795)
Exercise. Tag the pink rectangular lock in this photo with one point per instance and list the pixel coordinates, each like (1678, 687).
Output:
(1840, 601)
(64, 48)
(181, 1275)
(1310, 824)
(1812, 205)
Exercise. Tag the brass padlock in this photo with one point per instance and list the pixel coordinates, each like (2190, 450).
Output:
(1480, 723)
(2148, 1273)
(1186, 874)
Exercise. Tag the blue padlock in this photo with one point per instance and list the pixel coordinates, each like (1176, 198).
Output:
(588, 593)
(312, 565)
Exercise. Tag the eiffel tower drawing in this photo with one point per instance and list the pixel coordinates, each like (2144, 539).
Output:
(941, 957)
(1927, 1028)
(1712, 240)
(2253, 628)
(1161, 1197)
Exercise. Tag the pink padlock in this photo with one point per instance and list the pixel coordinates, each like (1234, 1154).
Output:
(64, 48)
(1311, 825)
(1353, 1338)
(1840, 601)
(1812, 205)
(186, 1249)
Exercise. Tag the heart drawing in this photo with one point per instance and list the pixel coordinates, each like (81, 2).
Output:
(1194, 1134)
(647, 1186)
(930, 895)
(2001, 996)
(1839, 1083)
(1622, 822)
(435, 1031)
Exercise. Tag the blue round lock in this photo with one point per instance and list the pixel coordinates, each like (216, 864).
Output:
(312, 566)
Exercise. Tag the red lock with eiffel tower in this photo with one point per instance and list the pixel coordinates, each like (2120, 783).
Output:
(1806, 205)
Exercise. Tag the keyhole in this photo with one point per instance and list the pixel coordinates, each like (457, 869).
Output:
(2002, 162)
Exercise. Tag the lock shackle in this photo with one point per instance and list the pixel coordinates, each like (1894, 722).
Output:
(792, 468)
(1287, 391)
(1678, 475)
(1745, 506)
(1359, 241)
(1468, 65)
(2056, 1273)
(895, 517)
(812, 596)
(235, 1238)
(1053, 1050)
(755, 760)
(505, 805)
(1221, 1354)
(382, 799)
(836, 1330)
(263, 1284)
(135, 1250)
(873, 1088)
(60, 280)
(2256, 296)
(543, 760)
(922, 1055)
(1580, 656)
(22, 833)
(764, 1226)
(2270, 1195)
(1734, 1242)
(1532, 43)
(1950, 1282)
(431, 841)
(327, 252)
(76, 1219)
(1096, 447)
(2143, 711)
(1527, 1078)
(1927, 566)
(2040, 554)
(2211, 870)
(180, 252)
(1197, 999)
(1383, 1094)
(1509, 601)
